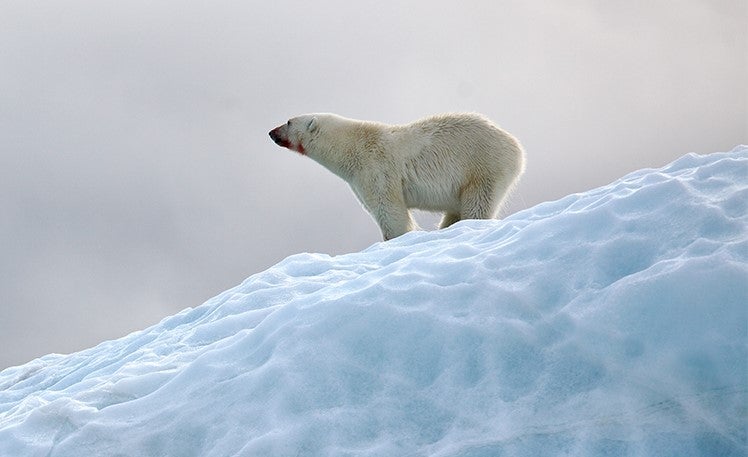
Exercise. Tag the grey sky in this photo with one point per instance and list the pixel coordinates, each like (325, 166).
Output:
(137, 177)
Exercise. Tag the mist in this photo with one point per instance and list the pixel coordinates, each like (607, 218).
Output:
(137, 177)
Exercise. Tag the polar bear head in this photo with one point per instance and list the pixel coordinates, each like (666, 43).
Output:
(297, 133)
(329, 139)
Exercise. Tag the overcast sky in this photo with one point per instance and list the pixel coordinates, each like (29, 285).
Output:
(137, 177)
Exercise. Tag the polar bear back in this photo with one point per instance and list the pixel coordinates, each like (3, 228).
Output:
(440, 156)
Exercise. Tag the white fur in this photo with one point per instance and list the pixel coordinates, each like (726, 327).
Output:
(459, 164)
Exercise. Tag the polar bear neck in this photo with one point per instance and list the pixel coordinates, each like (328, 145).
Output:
(346, 147)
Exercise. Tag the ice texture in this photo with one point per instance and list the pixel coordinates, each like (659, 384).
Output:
(608, 323)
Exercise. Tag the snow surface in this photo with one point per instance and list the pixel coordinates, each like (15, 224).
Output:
(608, 323)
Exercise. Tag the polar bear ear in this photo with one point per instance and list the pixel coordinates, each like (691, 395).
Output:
(312, 125)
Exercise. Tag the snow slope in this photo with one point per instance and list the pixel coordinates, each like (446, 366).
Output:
(608, 323)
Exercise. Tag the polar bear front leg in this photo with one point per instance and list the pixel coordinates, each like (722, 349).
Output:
(392, 216)
(385, 202)
(393, 220)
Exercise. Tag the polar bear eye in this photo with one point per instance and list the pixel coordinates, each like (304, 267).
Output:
(288, 123)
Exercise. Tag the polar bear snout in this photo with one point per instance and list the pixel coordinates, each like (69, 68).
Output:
(278, 137)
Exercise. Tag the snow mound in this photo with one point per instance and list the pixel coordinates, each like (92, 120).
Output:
(608, 323)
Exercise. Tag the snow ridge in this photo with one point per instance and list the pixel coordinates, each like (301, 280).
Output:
(608, 323)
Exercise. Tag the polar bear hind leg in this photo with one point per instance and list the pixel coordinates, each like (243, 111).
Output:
(479, 201)
(449, 219)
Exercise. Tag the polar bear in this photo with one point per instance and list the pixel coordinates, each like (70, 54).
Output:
(459, 164)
